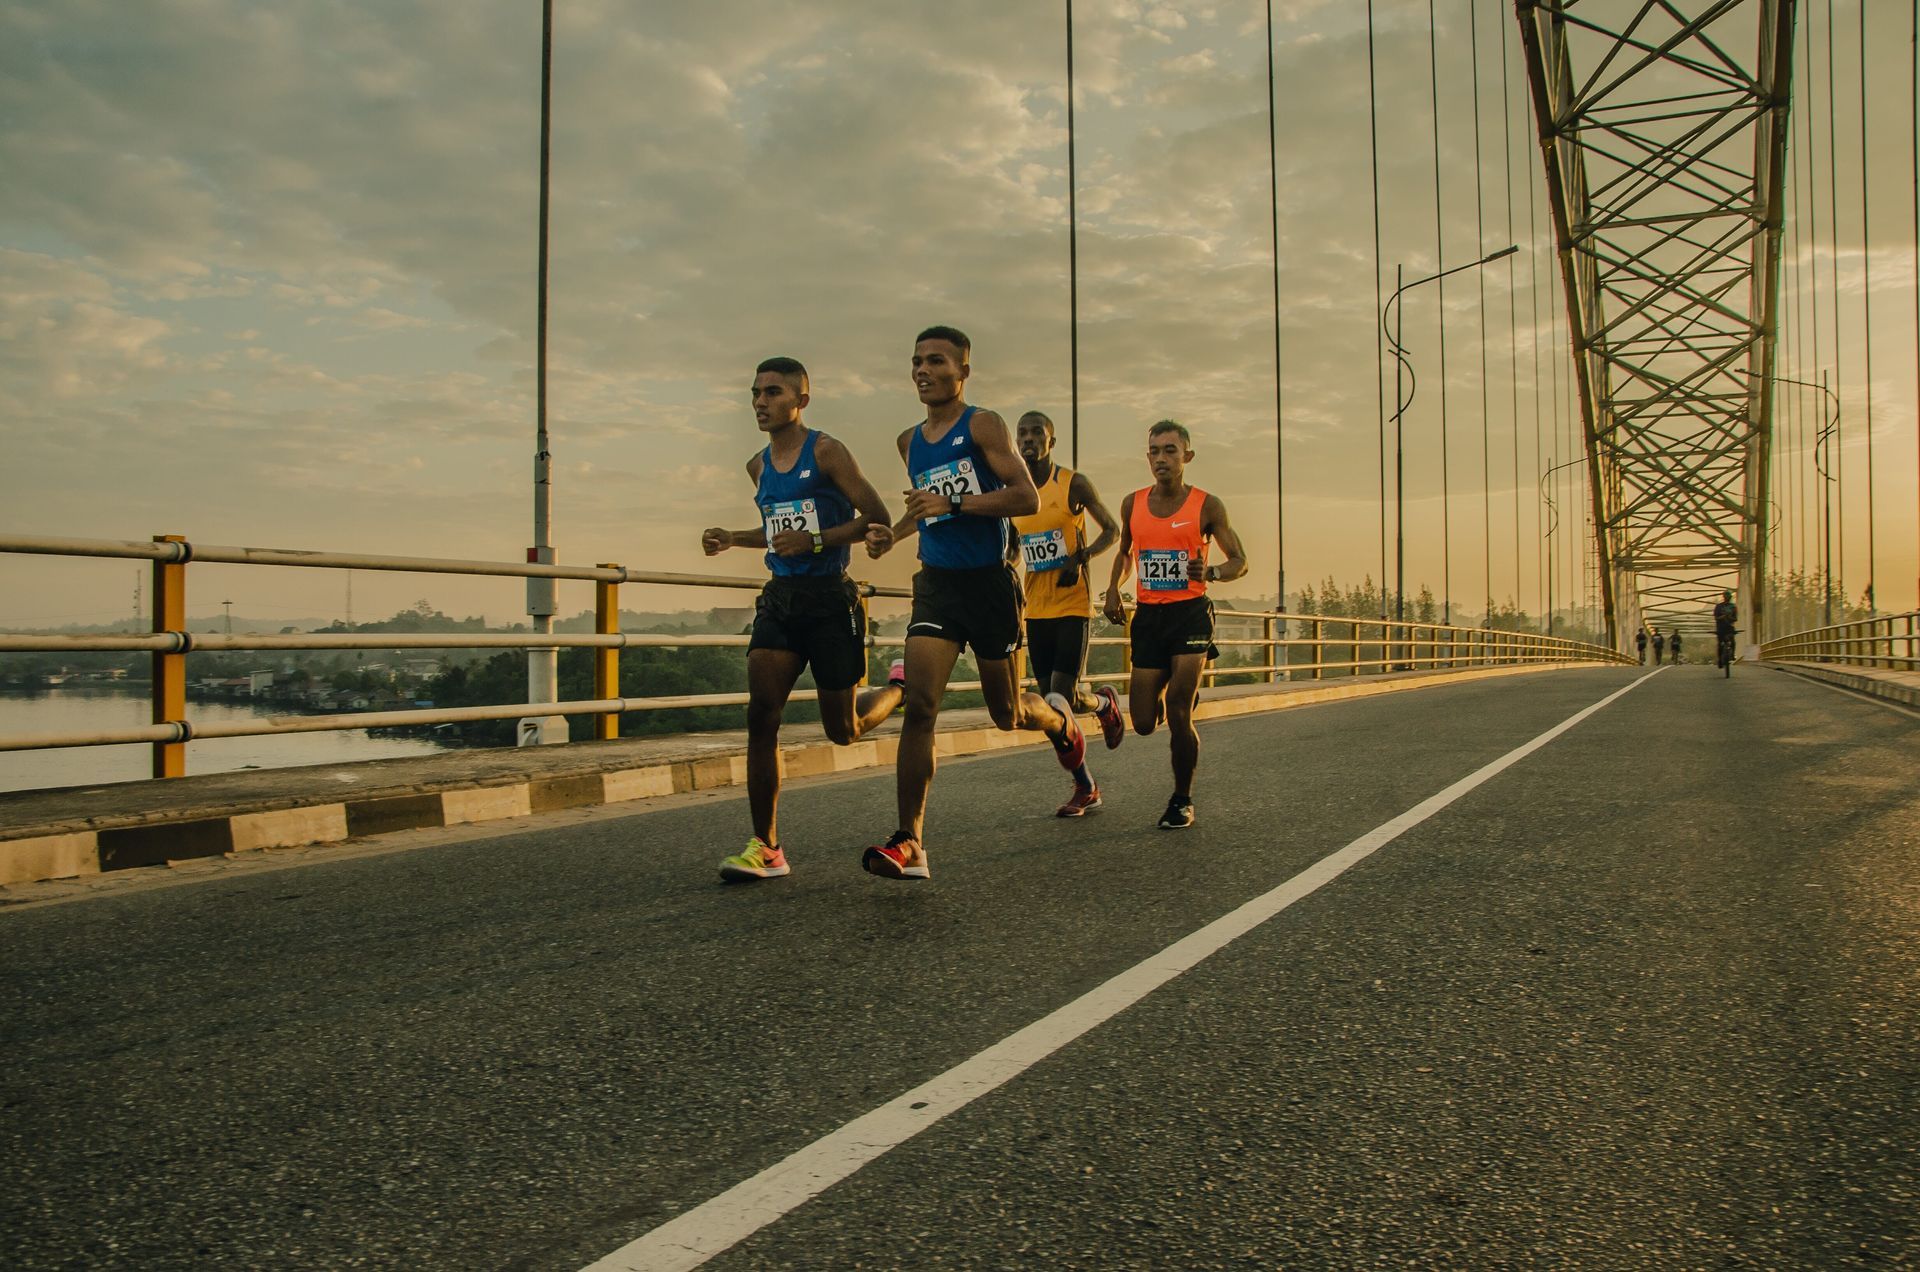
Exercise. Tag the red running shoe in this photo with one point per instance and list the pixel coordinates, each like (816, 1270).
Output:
(1113, 725)
(901, 857)
(1072, 748)
(1083, 801)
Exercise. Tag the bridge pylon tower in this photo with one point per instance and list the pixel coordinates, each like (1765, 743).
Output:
(1663, 132)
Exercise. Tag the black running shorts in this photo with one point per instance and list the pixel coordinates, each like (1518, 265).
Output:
(979, 607)
(817, 617)
(1057, 645)
(1161, 633)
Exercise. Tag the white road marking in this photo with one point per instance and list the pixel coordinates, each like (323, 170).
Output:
(691, 1239)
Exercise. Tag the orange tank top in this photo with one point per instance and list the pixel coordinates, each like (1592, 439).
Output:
(1164, 545)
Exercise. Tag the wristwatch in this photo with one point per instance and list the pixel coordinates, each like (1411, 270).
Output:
(1206, 575)
(953, 502)
(819, 544)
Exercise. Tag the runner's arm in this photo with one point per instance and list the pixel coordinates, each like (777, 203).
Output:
(1081, 492)
(1111, 606)
(1213, 523)
(1017, 498)
(838, 463)
(881, 539)
(717, 539)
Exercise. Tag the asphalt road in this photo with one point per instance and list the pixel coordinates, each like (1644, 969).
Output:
(1648, 998)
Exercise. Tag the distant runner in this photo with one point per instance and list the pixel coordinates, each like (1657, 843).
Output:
(813, 504)
(1164, 532)
(966, 482)
(1052, 546)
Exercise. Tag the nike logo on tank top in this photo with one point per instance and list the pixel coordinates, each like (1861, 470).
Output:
(1163, 547)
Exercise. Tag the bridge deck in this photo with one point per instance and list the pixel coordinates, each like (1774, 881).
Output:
(1648, 997)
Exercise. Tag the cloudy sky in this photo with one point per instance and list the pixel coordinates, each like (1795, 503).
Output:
(267, 273)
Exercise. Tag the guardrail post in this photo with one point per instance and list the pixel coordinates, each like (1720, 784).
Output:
(169, 670)
(1319, 649)
(606, 661)
(1274, 676)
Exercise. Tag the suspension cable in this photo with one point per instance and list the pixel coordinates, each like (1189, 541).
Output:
(1480, 278)
(1866, 303)
(1513, 343)
(1836, 451)
(1379, 328)
(1279, 416)
(1440, 266)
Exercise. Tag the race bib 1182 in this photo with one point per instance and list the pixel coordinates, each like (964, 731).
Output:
(800, 514)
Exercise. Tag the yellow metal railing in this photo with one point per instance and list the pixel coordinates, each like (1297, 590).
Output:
(1333, 644)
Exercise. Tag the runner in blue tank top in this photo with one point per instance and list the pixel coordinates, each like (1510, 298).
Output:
(967, 481)
(808, 489)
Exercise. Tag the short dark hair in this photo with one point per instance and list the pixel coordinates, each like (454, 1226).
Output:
(952, 335)
(1042, 416)
(789, 367)
(1172, 426)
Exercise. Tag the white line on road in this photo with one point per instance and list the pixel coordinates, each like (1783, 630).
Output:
(691, 1239)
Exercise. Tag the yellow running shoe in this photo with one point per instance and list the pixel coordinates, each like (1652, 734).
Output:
(757, 861)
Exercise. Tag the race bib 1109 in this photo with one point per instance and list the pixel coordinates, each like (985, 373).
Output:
(1045, 550)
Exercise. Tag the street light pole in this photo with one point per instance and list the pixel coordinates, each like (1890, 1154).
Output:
(543, 665)
(1553, 524)
(1403, 375)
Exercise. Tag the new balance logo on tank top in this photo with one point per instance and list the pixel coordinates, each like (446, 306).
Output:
(802, 498)
(1164, 545)
(954, 465)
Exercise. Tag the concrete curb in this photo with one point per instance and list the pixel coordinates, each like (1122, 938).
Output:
(1900, 687)
(62, 853)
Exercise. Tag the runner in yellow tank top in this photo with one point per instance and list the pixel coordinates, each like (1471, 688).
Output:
(1167, 526)
(1051, 546)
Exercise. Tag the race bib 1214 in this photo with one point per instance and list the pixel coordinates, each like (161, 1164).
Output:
(1163, 569)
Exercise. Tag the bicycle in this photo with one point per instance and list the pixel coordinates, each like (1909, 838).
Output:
(1725, 655)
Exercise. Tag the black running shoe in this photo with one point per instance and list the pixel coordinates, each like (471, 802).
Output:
(1179, 814)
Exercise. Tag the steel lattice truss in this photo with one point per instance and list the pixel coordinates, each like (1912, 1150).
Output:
(1663, 129)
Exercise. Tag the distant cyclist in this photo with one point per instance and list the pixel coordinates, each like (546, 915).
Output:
(1725, 615)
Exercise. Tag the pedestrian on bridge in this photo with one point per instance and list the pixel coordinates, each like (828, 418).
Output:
(1164, 532)
(1659, 647)
(1051, 546)
(967, 481)
(1640, 642)
(814, 504)
(1673, 642)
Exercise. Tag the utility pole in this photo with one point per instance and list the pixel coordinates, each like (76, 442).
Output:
(229, 616)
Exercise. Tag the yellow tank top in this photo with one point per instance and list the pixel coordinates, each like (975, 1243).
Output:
(1048, 539)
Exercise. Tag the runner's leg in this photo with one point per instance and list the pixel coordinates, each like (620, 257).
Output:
(1183, 691)
(929, 666)
(1143, 698)
(770, 677)
(847, 716)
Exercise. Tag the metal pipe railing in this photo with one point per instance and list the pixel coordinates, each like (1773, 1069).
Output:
(1395, 645)
(1890, 641)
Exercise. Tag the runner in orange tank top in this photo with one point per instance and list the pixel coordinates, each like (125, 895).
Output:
(1164, 531)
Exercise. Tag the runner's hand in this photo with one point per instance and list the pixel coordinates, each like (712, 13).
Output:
(922, 504)
(1116, 612)
(1196, 570)
(792, 543)
(714, 541)
(879, 540)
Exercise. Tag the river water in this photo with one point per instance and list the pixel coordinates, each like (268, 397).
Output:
(66, 710)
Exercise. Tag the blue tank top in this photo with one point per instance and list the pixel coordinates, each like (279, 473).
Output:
(802, 498)
(955, 466)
